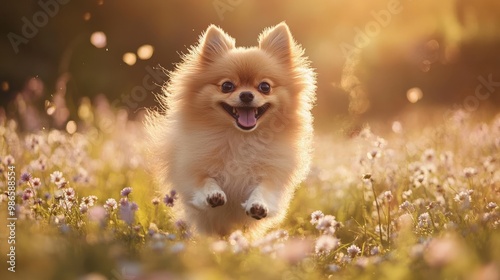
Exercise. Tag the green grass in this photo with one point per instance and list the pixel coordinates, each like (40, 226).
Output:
(419, 204)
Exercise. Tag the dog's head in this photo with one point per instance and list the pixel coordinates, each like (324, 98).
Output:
(245, 87)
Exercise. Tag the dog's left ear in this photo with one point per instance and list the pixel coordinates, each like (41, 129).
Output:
(278, 41)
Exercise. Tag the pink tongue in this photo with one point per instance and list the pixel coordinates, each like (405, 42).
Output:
(246, 117)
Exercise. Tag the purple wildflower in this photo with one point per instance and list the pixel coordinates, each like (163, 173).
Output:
(169, 200)
(126, 191)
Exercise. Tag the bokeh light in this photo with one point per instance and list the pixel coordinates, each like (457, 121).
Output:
(98, 39)
(145, 52)
(414, 94)
(5, 86)
(71, 127)
(129, 58)
(50, 108)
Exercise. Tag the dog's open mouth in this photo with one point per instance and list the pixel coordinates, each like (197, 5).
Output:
(246, 117)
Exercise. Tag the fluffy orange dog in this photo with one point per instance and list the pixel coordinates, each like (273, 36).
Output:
(234, 139)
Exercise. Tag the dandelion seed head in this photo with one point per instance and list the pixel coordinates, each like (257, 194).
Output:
(325, 244)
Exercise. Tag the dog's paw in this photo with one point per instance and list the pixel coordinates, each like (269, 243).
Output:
(216, 198)
(257, 211)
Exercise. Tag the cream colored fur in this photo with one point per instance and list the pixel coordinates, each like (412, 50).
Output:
(197, 150)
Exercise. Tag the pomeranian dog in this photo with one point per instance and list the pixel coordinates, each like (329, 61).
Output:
(234, 134)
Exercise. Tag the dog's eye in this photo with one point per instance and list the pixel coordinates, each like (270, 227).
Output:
(264, 87)
(227, 87)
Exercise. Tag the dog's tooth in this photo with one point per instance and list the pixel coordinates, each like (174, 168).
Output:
(234, 110)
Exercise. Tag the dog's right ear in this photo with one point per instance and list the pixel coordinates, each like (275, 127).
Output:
(215, 42)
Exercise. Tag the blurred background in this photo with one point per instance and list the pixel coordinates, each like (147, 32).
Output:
(375, 59)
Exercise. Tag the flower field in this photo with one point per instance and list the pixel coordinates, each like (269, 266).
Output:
(394, 201)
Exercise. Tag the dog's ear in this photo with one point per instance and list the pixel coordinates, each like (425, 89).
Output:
(215, 42)
(278, 41)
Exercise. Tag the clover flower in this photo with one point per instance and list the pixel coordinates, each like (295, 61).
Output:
(126, 191)
(316, 216)
(353, 251)
(127, 211)
(27, 194)
(327, 224)
(25, 177)
(424, 220)
(110, 204)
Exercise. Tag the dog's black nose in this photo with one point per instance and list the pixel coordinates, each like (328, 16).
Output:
(246, 97)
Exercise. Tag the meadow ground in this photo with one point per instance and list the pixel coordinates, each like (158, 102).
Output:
(395, 201)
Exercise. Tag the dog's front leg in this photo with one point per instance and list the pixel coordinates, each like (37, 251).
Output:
(263, 202)
(210, 195)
